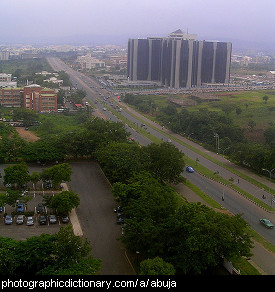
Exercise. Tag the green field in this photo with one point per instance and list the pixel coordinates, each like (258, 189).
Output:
(251, 107)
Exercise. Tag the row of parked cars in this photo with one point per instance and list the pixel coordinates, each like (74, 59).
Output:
(29, 220)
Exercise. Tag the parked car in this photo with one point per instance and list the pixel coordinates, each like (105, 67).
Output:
(52, 219)
(47, 184)
(120, 218)
(189, 169)
(42, 220)
(20, 219)
(1, 209)
(266, 223)
(8, 219)
(20, 207)
(118, 209)
(29, 221)
(40, 208)
(65, 219)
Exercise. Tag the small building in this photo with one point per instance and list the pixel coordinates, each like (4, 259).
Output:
(33, 97)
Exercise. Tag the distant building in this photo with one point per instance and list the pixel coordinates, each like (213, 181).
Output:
(271, 74)
(33, 97)
(88, 62)
(54, 80)
(5, 80)
(179, 61)
(4, 55)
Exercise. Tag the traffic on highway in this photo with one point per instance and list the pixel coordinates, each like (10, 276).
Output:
(104, 100)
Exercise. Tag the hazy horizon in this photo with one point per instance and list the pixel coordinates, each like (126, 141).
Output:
(93, 22)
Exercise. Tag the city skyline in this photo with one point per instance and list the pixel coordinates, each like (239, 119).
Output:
(98, 21)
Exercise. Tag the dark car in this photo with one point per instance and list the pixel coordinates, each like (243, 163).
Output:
(42, 220)
(118, 209)
(40, 208)
(47, 184)
(189, 169)
(120, 218)
(65, 219)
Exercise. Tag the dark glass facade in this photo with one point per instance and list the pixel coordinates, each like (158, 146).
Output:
(179, 63)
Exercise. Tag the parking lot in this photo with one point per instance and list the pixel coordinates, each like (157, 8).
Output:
(22, 231)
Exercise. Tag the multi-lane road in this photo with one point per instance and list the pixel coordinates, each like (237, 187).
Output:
(233, 201)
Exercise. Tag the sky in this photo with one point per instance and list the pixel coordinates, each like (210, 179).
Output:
(115, 21)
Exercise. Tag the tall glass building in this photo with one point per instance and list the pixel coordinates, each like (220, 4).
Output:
(180, 61)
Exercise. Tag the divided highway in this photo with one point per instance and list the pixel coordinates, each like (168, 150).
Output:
(233, 201)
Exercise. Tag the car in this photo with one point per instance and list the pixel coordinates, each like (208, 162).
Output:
(8, 219)
(52, 219)
(40, 208)
(20, 207)
(120, 219)
(20, 219)
(266, 223)
(42, 220)
(118, 209)
(47, 184)
(1, 209)
(29, 221)
(65, 219)
(189, 169)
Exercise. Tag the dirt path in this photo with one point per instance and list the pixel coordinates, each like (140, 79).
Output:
(27, 135)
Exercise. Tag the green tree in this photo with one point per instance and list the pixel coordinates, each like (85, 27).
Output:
(165, 161)
(57, 173)
(17, 174)
(156, 266)
(199, 238)
(120, 160)
(64, 202)
(251, 124)
(71, 255)
(146, 204)
(26, 115)
(265, 98)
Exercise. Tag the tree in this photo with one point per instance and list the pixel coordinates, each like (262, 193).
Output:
(71, 255)
(265, 98)
(120, 160)
(156, 266)
(17, 174)
(147, 203)
(57, 173)
(199, 238)
(35, 177)
(251, 124)
(64, 202)
(238, 110)
(26, 115)
(165, 161)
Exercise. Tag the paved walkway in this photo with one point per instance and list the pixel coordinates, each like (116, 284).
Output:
(73, 217)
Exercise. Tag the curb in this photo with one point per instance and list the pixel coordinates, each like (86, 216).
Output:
(73, 216)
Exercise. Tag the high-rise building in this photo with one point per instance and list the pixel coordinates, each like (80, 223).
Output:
(179, 60)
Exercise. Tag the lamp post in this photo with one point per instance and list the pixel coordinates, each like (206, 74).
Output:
(270, 172)
(216, 135)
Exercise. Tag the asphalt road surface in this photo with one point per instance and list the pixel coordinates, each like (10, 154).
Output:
(97, 218)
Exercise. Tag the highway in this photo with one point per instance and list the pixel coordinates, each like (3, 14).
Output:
(233, 201)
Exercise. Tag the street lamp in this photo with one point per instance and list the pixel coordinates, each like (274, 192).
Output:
(270, 172)
(216, 135)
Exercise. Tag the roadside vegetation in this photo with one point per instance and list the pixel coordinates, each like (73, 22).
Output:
(237, 119)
